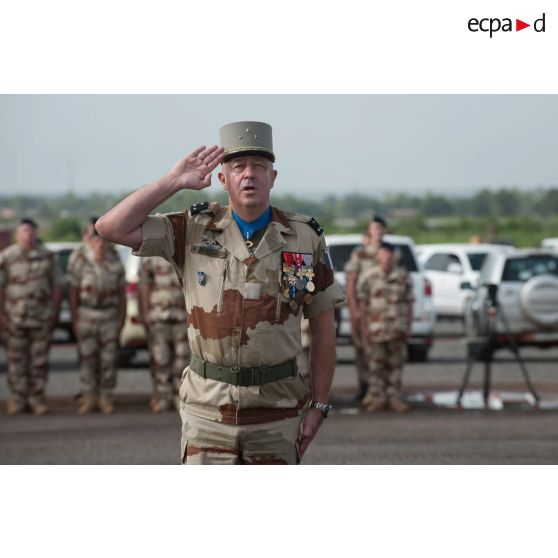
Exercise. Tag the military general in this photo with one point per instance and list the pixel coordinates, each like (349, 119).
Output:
(30, 295)
(249, 272)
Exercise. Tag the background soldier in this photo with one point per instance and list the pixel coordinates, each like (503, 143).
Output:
(163, 313)
(385, 298)
(30, 296)
(98, 307)
(362, 258)
(249, 272)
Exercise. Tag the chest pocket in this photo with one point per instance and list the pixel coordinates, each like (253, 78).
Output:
(205, 280)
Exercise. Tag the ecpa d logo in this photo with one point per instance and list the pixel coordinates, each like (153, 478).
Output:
(493, 25)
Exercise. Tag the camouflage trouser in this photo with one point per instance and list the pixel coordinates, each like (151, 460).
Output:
(97, 339)
(27, 352)
(206, 442)
(170, 354)
(360, 360)
(385, 361)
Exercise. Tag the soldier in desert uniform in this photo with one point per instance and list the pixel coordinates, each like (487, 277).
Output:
(163, 313)
(385, 297)
(30, 296)
(249, 272)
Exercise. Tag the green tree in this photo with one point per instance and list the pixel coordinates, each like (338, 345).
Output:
(65, 230)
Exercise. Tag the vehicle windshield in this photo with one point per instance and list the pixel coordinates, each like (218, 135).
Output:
(476, 260)
(522, 269)
(340, 254)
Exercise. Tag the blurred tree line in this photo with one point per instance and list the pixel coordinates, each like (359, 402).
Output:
(509, 214)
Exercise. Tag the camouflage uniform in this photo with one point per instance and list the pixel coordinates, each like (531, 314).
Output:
(28, 280)
(238, 316)
(167, 332)
(99, 288)
(362, 258)
(388, 298)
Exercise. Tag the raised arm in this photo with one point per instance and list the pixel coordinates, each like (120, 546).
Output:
(122, 223)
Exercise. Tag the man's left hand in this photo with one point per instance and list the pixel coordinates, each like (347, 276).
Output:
(310, 425)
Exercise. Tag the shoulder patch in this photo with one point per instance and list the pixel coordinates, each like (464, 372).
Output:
(316, 226)
(198, 208)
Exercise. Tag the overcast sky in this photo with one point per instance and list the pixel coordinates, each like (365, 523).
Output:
(324, 144)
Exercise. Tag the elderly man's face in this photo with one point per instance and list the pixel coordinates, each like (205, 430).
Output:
(26, 236)
(248, 181)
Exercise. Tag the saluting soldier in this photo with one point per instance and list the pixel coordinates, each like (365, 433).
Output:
(385, 299)
(30, 296)
(362, 258)
(98, 307)
(249, 272)
(163, 313)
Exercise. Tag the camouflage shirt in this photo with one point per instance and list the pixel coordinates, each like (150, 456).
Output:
(28, 280)
(237, 310)
(388, 301)
(166, 299)
(99, 283)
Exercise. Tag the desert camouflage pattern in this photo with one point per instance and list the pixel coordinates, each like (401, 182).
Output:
(100, 287)
(167, 333)
(388, 298)
(27, 352)
(237, 312)
(215, 443)
(385, 362)
(166, 299)
(97, 333)
(28, 280)
(170, 353)
(99, 283)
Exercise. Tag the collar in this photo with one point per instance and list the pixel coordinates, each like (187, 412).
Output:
(249, 228)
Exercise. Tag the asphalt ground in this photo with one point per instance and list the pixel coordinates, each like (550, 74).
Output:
(509, 431)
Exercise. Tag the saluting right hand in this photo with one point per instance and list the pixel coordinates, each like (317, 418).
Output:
(193, 172)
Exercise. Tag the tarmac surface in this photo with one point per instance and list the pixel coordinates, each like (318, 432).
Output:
(510, 430)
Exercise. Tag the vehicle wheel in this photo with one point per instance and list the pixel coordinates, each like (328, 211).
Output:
(417, 353)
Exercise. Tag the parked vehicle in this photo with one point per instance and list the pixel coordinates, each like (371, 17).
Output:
(133, 335)
(517, 297)
(424, 317)
(63, 251)
(447, 266)
(550, 244)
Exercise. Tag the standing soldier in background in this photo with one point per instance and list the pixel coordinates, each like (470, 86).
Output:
(30, 296)
(385, 306)
(163, 313)
(362, 258)
(98, 307)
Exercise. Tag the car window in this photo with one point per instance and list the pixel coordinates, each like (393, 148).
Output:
(441, 261)
(523, 268)
(476, 260)
(340, 254)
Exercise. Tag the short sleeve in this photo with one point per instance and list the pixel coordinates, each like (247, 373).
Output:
(157, 238)
(353, 265)
(74, 269)
(328, 293)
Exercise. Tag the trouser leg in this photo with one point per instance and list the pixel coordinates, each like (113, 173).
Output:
(395, 358)
(17, 350)
(88, 351)
(39, 349)
(376, 362)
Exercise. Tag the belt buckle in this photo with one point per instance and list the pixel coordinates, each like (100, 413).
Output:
(236, 375)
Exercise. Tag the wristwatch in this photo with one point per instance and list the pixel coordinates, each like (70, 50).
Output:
(325, 408)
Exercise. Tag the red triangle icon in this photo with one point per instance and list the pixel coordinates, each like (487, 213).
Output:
(519, 25)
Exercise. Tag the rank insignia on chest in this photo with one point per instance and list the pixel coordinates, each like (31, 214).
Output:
(201, 278)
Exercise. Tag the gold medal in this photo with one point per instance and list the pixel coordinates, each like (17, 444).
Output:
(293, 305)
(310, 287)
(307, 298)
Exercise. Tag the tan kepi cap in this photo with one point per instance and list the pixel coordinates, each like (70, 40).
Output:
(246, 138)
